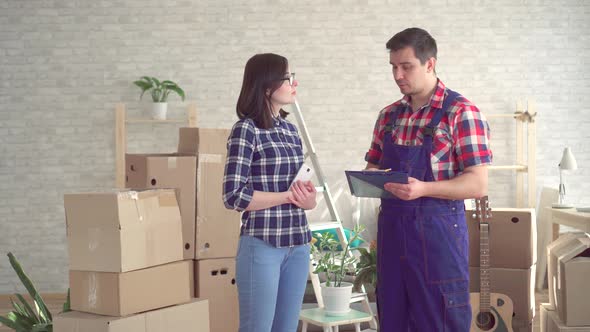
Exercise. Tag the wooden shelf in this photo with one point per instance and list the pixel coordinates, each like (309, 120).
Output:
(525, 119)
(121, 122)
(518, 168)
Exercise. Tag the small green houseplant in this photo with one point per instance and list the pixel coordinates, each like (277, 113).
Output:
(336, 265)
(366, 268)
(160, 90)
(25, 317)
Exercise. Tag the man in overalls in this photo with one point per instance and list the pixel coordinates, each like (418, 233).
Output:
(442, 140)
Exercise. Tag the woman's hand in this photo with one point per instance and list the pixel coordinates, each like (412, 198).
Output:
(303, 195)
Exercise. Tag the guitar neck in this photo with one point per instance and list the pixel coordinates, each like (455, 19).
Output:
(482, 212)
(484, 267)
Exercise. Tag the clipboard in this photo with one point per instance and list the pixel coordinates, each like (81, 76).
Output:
(370, 183)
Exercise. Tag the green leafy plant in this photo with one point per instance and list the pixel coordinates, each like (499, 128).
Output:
(366, 268)
(159, 89)
(336, 264)
(24, 317)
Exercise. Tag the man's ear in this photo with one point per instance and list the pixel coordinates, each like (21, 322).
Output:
(430, 64)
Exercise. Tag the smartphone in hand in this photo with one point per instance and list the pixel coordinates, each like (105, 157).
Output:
(304, 174)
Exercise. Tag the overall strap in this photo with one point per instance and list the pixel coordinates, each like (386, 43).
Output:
(449, 99)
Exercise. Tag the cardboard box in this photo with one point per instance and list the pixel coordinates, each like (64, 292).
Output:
(543, 313)
(217, 228)
(554, 324)
(522, 326)
(513, 238)
(121, 294)
(563, 240)
(149, 171)
(190, 317)
(216, 281)
(517, 284)
(123, 230)
(569, 268)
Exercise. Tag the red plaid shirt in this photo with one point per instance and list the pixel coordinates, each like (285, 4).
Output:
(461, 139)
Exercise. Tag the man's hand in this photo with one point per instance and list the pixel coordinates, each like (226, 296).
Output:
(407, 191)
(303, 194)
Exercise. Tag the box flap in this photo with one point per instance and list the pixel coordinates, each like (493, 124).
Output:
(193, 141)
(91, 210)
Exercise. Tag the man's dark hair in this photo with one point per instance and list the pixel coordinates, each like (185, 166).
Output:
(263, 73)
(419, 39)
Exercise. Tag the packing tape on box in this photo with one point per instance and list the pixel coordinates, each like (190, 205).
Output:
(92, 290)
(134, 195)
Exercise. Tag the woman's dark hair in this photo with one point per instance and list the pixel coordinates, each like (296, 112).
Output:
(263, 72)
(418, 39)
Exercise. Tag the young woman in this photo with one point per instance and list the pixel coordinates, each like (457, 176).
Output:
(264, 155)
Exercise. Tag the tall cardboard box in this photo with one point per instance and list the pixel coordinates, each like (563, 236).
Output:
(217, 228)
(123, 230)
(216, 281)
(189, 317)
(517, 284)
(513, 238)
(148, 171)
(554, 324)
(569, 280)
(121, 294)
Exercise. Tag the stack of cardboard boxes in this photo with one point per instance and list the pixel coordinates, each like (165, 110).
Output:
(512, 241)
(127, 271)
(568, 271)
(210, 232)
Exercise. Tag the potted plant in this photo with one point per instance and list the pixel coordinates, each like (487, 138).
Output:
(366, 268)
(159, 91)
(25, 317)
(336, 265)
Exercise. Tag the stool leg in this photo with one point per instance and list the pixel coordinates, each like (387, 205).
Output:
(357, 327)
(327, 329)
(336, 328)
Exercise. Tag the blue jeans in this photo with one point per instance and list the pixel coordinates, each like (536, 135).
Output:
(271, 283)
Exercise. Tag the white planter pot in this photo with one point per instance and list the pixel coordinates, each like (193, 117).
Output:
(159, 111)
(337, 299)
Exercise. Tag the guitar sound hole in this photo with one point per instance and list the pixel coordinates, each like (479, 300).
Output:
(485, 321)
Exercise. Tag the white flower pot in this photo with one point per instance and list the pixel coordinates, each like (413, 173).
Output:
(337, 299)
(159, 111)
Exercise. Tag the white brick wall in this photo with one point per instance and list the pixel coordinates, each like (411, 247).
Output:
(64, 64)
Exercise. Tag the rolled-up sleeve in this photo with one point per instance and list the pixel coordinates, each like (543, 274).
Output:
(237, 192)
(472, 136)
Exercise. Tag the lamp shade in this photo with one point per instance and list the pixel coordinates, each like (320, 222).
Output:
(568, 162)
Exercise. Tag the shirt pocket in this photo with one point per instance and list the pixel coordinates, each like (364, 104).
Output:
(443, 145)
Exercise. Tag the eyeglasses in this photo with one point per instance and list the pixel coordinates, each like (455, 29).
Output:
(291, 79)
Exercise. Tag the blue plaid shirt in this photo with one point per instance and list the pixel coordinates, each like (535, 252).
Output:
(265, 160)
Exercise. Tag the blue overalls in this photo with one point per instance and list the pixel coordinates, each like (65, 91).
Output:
(422, 258)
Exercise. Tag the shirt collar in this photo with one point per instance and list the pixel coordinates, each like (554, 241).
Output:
(437, 98)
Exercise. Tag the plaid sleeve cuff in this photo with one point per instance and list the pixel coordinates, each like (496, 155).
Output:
(372, 157)
(241, 201)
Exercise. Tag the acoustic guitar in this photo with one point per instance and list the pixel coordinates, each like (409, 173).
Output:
(490, 311)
